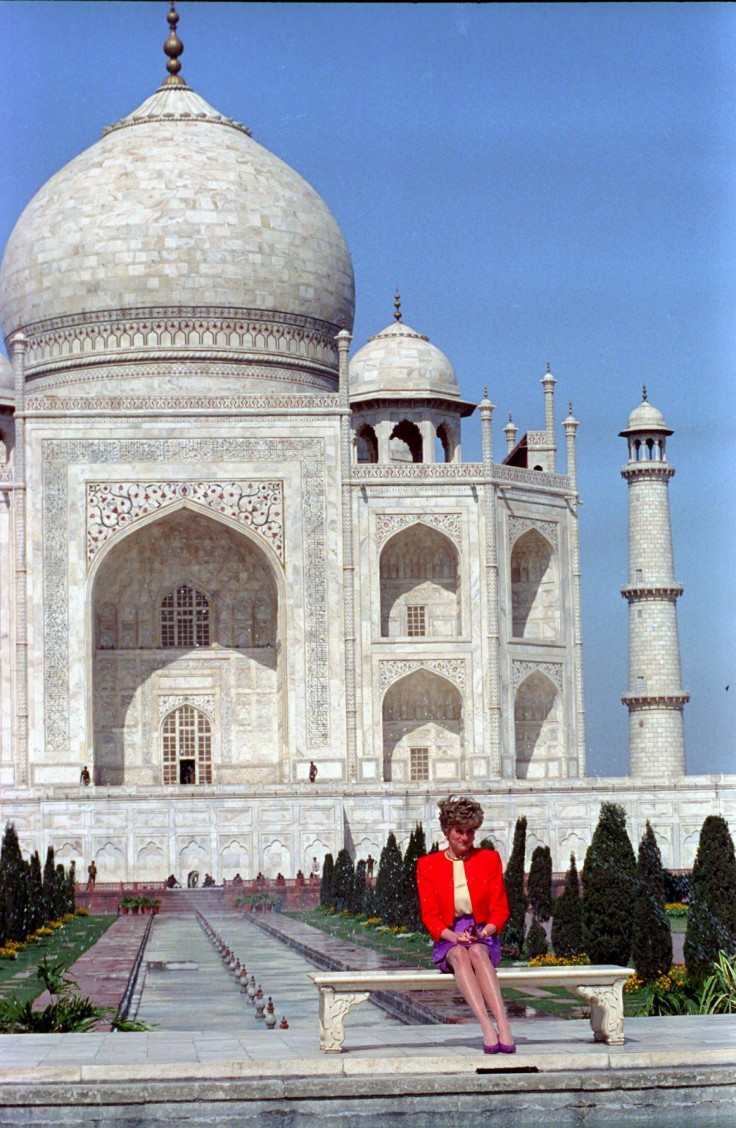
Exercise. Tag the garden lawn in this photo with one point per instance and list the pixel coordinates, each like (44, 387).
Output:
(18, 977)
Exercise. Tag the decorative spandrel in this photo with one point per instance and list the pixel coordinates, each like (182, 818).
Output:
(258, 506)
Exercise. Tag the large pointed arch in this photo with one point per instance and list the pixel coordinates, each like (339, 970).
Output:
(535, 588)
(538, 729)
(423, 728)
(419, 577)
(238, 666)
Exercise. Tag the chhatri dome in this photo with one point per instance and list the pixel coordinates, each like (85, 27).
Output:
(646, 417)
(177, 210)
(401, 362)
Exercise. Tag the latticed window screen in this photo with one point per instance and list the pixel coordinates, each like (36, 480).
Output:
(416, 620)
(419, 763)
(185, 618)
(187, 747)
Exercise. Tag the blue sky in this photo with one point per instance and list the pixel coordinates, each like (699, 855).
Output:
(544, 182)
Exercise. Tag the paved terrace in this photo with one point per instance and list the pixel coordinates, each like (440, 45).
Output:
(209, 1060)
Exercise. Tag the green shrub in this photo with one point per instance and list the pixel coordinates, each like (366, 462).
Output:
(651, 938)
(417, 848)
(539, 885)
(609, 886)
(513, 933)
(342, 881)
(388, 883)
(711, 925)
(536, 940)
(326, 897)
(719, 989)
(567, 916)
(357, 895)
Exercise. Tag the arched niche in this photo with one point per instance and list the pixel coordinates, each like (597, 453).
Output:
(420, 585)
(535, 594)
(538, 729)
(366, 444)
(141, 671)
(422, 729)
(405, 443)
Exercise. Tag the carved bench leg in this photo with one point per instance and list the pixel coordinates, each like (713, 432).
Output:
(606, 1012)
(332, 1010)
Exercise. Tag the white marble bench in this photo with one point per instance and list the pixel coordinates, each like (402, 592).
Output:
(602, 986)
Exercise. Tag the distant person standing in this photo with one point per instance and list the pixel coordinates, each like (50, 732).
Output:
(91, 874)
(85, 778)
(369, 864)
(312, 771)
(314, 870)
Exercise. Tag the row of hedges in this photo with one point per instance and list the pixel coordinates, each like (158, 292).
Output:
(619, 916)
(30, 896)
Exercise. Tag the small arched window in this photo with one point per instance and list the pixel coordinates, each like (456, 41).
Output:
(185, 618)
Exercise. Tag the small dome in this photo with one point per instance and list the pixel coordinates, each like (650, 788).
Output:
(398, 361)
(646, 417)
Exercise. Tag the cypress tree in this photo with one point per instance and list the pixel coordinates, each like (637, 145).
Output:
(536, 939)
(326, 897)
(539, 886)
(70, 887)
(486, 843)
(711, 925)
(342, 880)
(388, 882)
(567, 916)
(417, 848)
(49, 871)
(609, 886)
(651, 938)
(513, 933)
(357, 896)
(35, 893)
(13, 891)
(59, 892)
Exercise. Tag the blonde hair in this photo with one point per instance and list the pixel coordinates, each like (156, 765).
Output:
(463, 812)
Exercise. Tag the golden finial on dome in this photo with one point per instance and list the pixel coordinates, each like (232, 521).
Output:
(397, 306)
(644, 393)
(173, 47)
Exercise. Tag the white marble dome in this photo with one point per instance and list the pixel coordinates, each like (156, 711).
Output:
(176, 208)
(646, 417)
(398, 361)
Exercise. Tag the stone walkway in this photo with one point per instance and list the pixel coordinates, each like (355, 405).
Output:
(103, 971)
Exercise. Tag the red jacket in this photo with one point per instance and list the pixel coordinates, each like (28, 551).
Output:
(436, 886)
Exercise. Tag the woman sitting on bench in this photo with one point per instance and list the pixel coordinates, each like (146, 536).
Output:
(464, 907)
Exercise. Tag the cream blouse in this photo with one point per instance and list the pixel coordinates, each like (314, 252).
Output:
(463, 906)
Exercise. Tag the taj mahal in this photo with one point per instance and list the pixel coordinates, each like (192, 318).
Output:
(236, 545)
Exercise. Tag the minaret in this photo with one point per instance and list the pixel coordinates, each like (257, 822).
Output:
(655, 698)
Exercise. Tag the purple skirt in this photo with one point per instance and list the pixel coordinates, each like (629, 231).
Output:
(440, 948)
